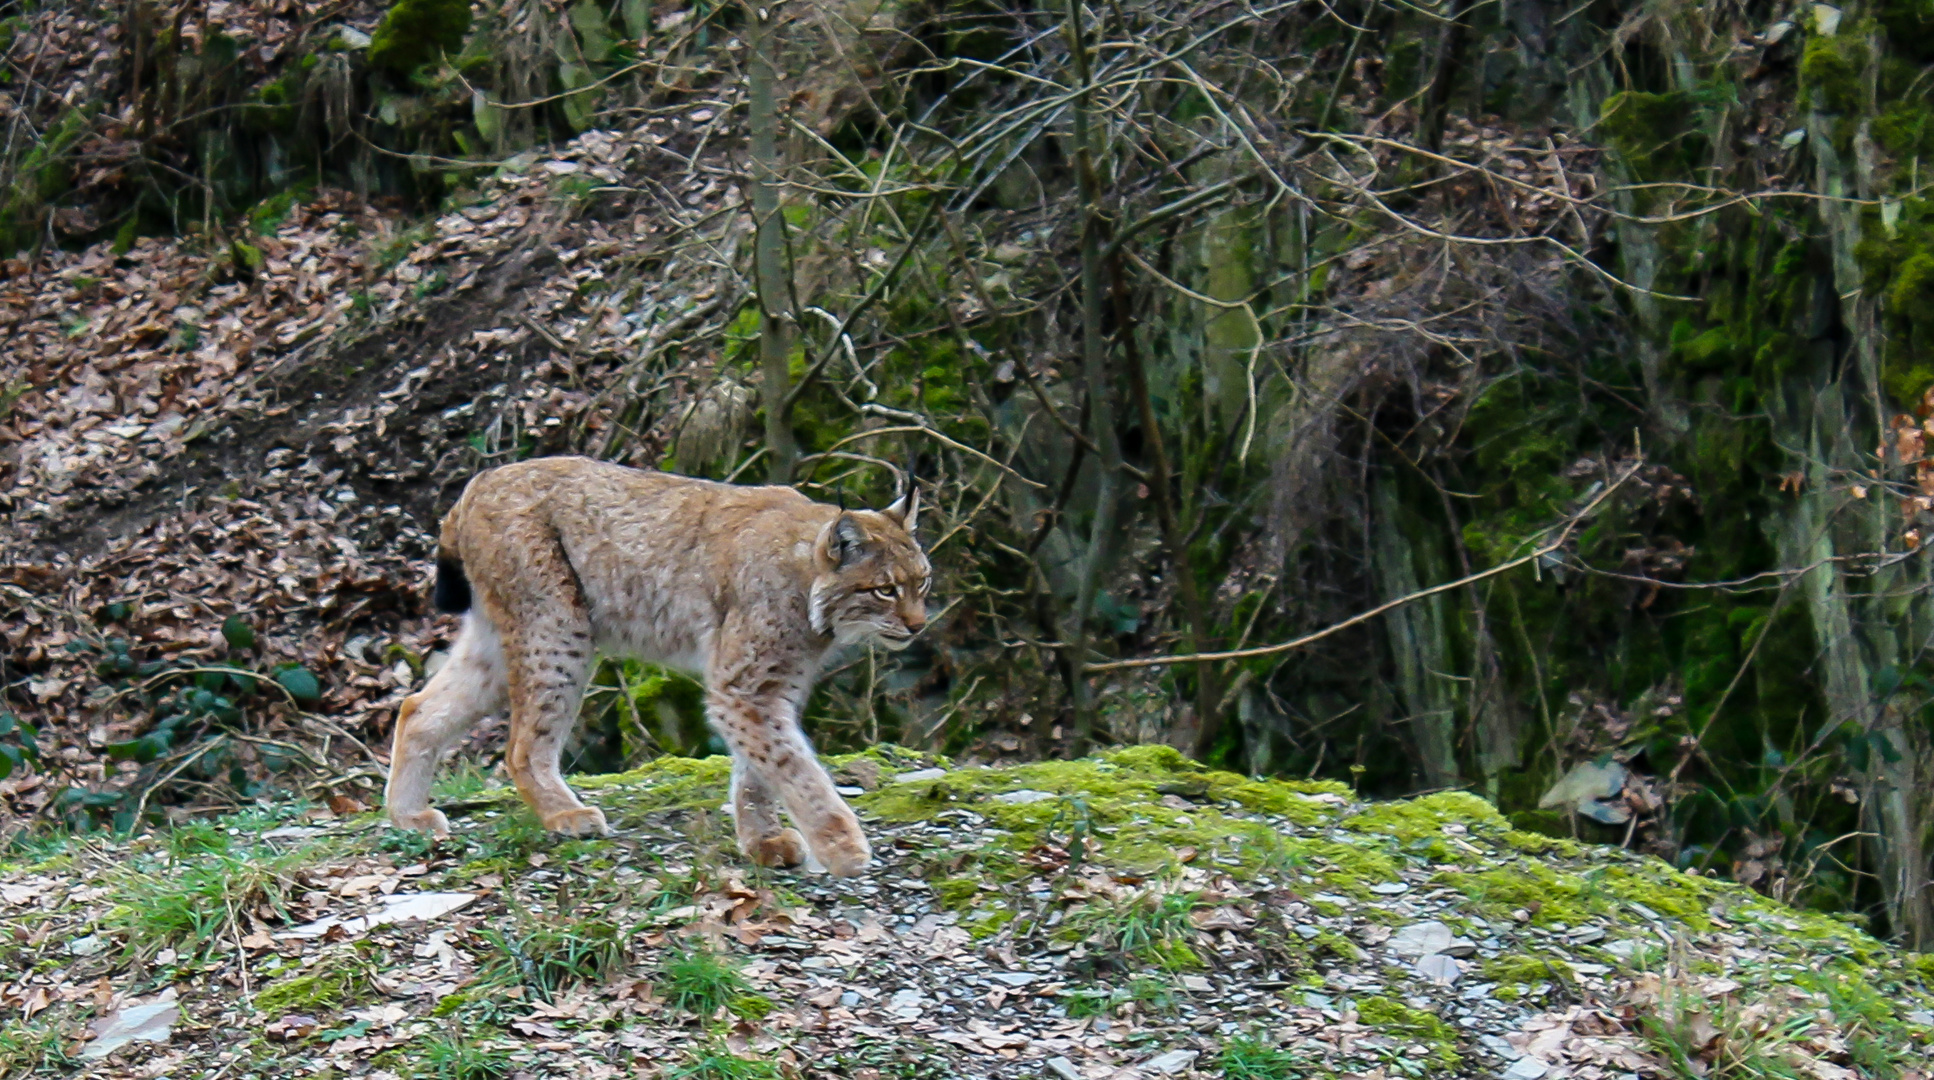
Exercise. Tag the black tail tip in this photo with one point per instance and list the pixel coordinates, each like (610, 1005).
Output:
(452, 587)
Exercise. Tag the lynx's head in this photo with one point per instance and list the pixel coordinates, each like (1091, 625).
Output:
(872, 577)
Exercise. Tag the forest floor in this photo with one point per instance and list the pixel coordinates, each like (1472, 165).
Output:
(1131, 915)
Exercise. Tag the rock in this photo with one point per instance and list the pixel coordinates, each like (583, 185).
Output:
(1439, 968)
(1390, 888)
(1024, 796)
(1421, 939)
(1063, 1068)
(861, 773)
(1196, 984)
(916, 776)
(1525, 1068)
(398, 907)
(1173, 1062)
(1500, 1047)
(152, 1022)
(87, 946)
(1586, 935)
(1015, 978)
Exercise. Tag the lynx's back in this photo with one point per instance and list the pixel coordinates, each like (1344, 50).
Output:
(658, 558)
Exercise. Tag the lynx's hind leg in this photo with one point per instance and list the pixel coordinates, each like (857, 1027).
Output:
(763, 837)
(470, 686)
(548, 659)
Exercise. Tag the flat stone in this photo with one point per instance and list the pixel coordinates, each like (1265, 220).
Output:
(396, 908)
(1440, 968)
(1525, 1068)
(1586, 935)
(151, 1022)
(1015, 978)
(916, 776)
(1390, 888)
(1173, 1062)
(1421, 939)
(1025, 796)
(1196, 984)
(1064, 1069)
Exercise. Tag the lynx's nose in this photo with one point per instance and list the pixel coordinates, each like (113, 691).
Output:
(914, 615)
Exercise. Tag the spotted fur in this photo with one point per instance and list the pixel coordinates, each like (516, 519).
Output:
(749, 588)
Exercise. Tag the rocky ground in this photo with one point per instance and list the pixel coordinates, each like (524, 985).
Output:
(1126, 916)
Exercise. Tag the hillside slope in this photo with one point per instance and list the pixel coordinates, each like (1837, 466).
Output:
(1132, 915)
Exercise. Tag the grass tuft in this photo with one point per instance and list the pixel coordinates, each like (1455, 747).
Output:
(545, 957)
(200, 897)
(1256, 1057)
(701, 982)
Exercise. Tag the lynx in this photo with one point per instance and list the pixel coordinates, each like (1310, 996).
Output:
(749, 588)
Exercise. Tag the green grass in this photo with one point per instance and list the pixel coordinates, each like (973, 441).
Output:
(1149, 995)
(1257, 1057)
(545, 957)
(1149, 927)
(28, 1050)
(719, 1064)
(455, 1057)
(701, 982)
(199, 897)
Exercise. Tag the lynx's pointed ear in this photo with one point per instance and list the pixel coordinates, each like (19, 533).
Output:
(840, 542)
(905, 511)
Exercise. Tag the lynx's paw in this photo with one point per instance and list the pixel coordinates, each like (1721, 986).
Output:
(425, 821)
(841, 848)
(782, 849)
(578, 821)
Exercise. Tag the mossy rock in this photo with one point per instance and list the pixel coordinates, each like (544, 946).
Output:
(416, 32)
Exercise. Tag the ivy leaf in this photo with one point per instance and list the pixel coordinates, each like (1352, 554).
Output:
(238, 634)
(300, 683)
(9, 760)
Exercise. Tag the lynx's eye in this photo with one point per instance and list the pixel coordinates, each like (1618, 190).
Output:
(887, 593)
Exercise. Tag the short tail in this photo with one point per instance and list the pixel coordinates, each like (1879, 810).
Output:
(452, 586)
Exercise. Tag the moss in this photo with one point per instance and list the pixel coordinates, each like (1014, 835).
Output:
(1712, 350)
(1423, 817)
(1656, 134)
(1905, 129)
(416, 32)
(1833, 69)
(1544, 895)
(337, 979)
(1391, 1017)
(1515, 973)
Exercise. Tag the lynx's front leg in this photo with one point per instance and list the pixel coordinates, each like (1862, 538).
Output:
(754, 704)
(763, 837)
